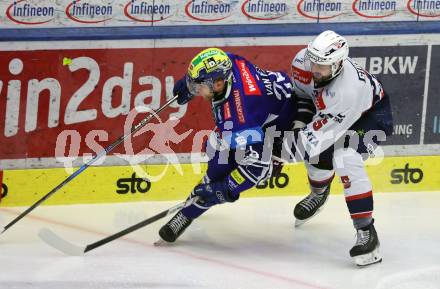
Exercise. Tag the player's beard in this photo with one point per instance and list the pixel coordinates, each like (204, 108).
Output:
(322, 81)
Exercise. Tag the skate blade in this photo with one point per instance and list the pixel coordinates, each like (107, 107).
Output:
(161, 243)
(368, 259)
(299, 222)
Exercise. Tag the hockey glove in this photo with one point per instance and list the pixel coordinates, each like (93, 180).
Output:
(181, 90)
(214, 193)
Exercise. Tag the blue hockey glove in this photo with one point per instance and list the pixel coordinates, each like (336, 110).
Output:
(181, 90)
(214, 193)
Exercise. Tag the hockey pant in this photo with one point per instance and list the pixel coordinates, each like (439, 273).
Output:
(348, 163)
(220, 170)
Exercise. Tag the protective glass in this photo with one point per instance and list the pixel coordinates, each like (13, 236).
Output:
(199, 87)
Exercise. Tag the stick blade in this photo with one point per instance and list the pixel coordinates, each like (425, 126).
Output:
(59, 243)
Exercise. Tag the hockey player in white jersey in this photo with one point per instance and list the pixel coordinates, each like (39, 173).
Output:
(339, 103)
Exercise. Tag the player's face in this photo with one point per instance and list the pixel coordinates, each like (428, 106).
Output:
(320, 72)
(205, 91)
(217, 88)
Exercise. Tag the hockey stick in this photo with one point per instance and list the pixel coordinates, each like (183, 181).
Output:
(68, 248)
(106, 150)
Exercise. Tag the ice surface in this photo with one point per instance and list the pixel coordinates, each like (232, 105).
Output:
(249, 244)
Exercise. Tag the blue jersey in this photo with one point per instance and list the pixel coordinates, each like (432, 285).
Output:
(256, 99)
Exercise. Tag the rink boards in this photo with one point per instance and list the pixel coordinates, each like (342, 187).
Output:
(72, 98)
(175, 182)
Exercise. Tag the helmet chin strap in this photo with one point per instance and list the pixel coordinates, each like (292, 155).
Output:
(335, 72)
(220, 97)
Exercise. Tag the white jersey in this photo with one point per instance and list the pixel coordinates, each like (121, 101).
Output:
(338, 104)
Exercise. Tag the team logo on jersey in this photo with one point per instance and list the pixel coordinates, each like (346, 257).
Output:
(299, 60)
(227, 111)
(249, 83)
(374, 9)
(265, 9)
(318, 124)
(148, 10)
(320, 9)
(302, 75)
(312, 139)
(239, 106)
(319, 100)
(238, 178)
(209, 11)
(339, 118)
(89, 11)
(425, 8)
(29, 13)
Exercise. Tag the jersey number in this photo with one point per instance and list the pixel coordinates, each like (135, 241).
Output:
(319, 123)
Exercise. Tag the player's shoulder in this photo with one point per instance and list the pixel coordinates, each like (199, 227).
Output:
(235, 57)
(300, 74)
(353, 75)
(352, 78)
(342, 92)
(298, 59)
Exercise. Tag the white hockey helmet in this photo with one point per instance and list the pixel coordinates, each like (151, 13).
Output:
(328, 48)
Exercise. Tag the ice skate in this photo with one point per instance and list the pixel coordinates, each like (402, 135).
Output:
(310, 206)
(173, 229)
(366, 250)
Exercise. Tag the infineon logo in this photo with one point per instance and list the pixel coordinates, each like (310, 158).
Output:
(148, 10)
(89, 11)
(319, 9)
(264, 9)
(374, 8)
(424, 8)
(208, 10)
(30, 12)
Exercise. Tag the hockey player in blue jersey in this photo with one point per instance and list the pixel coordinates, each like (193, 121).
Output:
(248, 104)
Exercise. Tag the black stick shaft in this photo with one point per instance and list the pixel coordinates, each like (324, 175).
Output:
(133, 228)
(108, 149)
